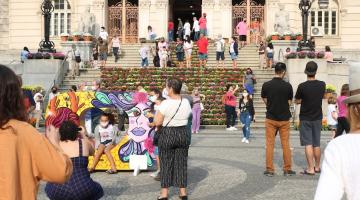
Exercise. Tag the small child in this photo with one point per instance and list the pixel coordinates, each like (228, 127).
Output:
(332, 115)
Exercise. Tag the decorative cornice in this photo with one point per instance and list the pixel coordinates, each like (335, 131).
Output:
(208, 3)
(161, 3)
(144, 3)
(99, 3)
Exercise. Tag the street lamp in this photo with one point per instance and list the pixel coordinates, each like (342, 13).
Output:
(304, 6)
(46, 45)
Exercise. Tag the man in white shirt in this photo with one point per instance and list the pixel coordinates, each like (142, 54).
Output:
(38, 98)
(74, 59)
(220, 51)
(196, 29)
(103, 34)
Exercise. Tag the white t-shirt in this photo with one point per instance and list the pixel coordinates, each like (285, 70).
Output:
(232, 50)
(116, 42)
(104, 35)
(187, 28)
(144, 52)
(196, 26)
(37, 98)
(268, 50)
(219, 45)
(188, 46)
(340, 169)
(52, 95)
(330, 120)
(168, 109)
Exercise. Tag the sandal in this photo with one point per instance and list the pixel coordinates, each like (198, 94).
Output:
(162, 198)
(110, 171)
(317, 171)
(305, 172)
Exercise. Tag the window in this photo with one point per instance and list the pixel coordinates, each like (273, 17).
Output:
(61, 18)
(326, 18)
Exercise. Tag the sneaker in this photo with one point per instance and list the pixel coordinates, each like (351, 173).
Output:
(247, 141)
(229, 129)
(243, 140)
(269, 174)
(233, 128)
(289, 173)
(155, 174)
(197, 132)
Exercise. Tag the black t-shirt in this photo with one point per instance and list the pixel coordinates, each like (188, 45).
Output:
(311, 94)
(278, 93)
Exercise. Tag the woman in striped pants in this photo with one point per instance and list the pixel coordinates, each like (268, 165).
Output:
(173, 145)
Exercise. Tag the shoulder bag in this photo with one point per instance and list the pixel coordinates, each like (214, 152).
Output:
(158, 132)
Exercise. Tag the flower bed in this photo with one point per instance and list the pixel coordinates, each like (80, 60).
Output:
(212, 83)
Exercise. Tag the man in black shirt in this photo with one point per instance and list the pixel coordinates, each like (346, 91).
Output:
(310, 95)
(277, 95)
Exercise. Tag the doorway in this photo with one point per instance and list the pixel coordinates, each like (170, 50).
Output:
(185, 10)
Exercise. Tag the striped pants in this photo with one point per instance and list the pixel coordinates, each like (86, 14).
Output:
(173, 154)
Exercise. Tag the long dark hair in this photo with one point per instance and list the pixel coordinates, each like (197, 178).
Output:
(11, 97)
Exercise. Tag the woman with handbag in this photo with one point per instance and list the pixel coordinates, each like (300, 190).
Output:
(173, 141)
(196, 110)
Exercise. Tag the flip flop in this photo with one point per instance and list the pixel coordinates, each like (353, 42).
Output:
(111, 172)
(317, 171)
(307, 173)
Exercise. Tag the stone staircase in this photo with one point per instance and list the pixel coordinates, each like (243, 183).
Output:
(248, 57)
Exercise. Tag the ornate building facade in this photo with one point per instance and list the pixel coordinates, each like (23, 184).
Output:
(21, 22)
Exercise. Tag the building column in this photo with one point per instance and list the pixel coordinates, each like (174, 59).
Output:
(144, 18)
(222, 21)
(99, 10)
(159, 12)
(208, 8)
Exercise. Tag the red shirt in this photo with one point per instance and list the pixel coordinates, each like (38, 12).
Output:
(202, 23)
(203, 45)
(170, 26)
(230, 99)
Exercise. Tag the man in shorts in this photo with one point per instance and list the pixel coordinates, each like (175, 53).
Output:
(310, 95)
(103, 51)
(241, 30)
(220, 51)
(203, 50)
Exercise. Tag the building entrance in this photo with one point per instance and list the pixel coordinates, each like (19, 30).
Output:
(184, 10)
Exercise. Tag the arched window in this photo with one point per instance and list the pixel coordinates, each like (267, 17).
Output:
(326, 19)
(61, 18)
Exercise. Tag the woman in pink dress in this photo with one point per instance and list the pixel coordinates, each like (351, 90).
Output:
(343, 123)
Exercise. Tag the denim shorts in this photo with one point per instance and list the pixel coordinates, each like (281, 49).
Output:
(103, 56)
(233, 56)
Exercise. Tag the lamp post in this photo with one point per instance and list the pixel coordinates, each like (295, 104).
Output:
(46, 45)
(304, 6)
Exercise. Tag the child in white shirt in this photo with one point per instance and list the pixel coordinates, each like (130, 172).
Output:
(332, 115)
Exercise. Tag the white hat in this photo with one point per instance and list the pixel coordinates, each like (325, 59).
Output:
(354, 82)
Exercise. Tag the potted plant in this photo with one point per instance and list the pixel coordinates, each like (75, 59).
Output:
(70, 39)
(311, 54)
(87, 37)
(287, 35)
(293, 37)
(275, 36)
(76, 36)
(59, 56)
(291, 55)
(299, 36)
(301, 54)
(330, 89)
(320, 54)
(64, 37)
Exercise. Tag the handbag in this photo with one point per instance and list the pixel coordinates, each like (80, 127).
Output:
(158, 132)
(202, 106)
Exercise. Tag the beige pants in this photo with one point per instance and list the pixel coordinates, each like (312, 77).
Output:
(163, 62)
(75, 68)
(262, 60)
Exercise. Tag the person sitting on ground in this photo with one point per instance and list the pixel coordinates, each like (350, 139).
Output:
(151, 33)
(28, 156)
(105, 141)
(24, 54)
(75, 143)
(340, 169)
(328, 54)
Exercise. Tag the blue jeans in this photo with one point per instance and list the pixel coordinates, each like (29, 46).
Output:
(196, 36)
(245, 119)
(144, 62)
(171, 35)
